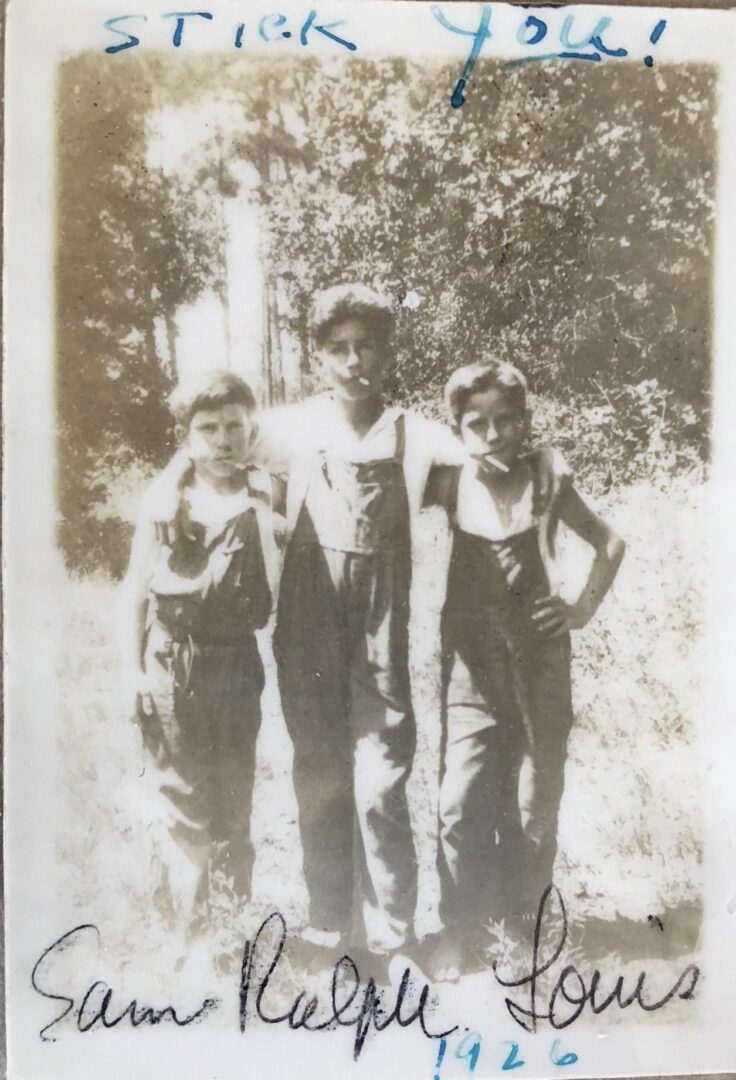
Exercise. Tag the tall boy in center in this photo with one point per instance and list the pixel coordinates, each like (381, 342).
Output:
(356, 482)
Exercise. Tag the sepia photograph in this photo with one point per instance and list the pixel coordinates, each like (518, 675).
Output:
(528, 299)
(381, 441)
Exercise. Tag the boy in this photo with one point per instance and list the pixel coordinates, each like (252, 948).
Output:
(357, 472)
(197, 589)
(506, 655)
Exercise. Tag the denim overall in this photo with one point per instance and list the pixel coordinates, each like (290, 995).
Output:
(206, 598)
(341, 644)
(506, 699)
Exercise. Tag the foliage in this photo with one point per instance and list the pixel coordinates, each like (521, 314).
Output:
(561, 219)
(623, 434)
(133, 245)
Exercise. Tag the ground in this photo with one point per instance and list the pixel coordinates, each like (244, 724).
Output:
(630, 833)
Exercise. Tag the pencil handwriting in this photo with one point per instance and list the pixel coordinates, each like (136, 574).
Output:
(97, 1006)
(352, 1003)
(570, 993)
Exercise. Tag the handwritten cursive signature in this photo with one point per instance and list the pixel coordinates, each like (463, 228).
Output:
(351, 1004)
(96, 1005)
(570, 993)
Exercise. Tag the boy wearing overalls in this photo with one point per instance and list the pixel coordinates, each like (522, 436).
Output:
(356, 481)
(506, 658)
(198, 588)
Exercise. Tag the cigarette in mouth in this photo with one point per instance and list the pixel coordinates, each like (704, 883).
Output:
(496, 464)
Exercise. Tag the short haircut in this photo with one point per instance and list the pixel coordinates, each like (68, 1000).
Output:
(476, 378)
(351, 301)
(210, 390)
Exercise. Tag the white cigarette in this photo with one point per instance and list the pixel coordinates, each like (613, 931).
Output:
(497, 464)
(363, 381)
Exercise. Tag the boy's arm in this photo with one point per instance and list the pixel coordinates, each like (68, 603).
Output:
(553, 615)
(431, 462)
(441, 489)
(278, 495)
(143, 552)
(281, 434)
(279, 489)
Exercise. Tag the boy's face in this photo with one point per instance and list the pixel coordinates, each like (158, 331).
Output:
(218, 440)
(494, 426)
(353, 358)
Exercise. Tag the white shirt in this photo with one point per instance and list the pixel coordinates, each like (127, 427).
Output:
(291, 436)
(476, 511)
(210, 508)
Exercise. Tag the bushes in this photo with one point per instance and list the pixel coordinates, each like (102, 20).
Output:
(624, 434)
(101, 496)
(91, 545)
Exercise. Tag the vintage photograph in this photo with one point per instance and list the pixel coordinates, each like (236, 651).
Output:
(366, 469)
(382, 433)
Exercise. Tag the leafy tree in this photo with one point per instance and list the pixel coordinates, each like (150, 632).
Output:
(133, 245)
(561, 219)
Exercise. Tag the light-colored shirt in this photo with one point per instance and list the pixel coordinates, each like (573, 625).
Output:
(471, 506)
(478, 513)
(209, 507)
(292, 437)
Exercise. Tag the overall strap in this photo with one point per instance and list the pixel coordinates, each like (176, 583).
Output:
(453, 479)
(170, 531)
(400, 449)
(453, 474)
(537, 489)
(323, 467)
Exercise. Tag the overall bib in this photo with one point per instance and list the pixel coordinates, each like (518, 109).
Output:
(341, 644)
(207, 596)
(507, 715)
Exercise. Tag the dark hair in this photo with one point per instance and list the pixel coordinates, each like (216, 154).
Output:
(210, 390)
(489, 375)
(352, 301)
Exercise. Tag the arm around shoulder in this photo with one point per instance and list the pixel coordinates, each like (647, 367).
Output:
(445, 447)
(441, 489)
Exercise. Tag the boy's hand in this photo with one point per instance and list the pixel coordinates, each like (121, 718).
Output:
(143, 697)
(554, 617)
(280, 531)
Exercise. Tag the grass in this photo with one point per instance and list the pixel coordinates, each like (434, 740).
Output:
(630, 831)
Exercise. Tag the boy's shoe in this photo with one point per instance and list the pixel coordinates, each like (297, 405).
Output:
(450, 956)
(312, 950)
(387, 966)
(322, 939)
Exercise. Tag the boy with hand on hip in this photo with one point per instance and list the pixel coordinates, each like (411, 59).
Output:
(507, 706)
(357, 473)
(196, 590)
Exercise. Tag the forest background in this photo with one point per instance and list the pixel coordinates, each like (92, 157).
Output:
(562, 219)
